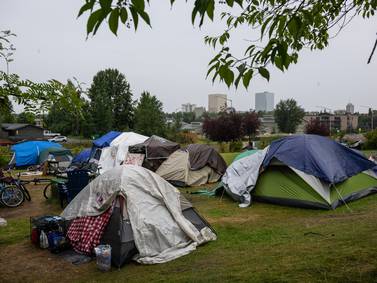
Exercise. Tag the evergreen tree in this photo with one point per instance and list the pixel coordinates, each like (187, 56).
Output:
(111, 104)
(149, 117)
(288, 115)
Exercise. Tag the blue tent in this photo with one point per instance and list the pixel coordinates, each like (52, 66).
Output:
(319, 156)
(83, 156)
(106, 139)
(27, 153)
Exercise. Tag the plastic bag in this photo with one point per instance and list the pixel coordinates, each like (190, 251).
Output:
(103, 257)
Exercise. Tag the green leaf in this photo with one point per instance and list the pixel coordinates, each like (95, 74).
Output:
(139, 5)
(145, 17)
(247, 77)
(135, 16)
(123, 15)
(264, 73)
(230, 3)
(226, 74)
(87, 6)
(92, 21)
(210, 9)
(113, 20)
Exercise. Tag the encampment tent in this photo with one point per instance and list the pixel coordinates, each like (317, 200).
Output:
(82, 157)
(155, 149)
(58, 154)
(193, 166)
(27, 153)
(301, 170)
(116, 152)
(150, 218)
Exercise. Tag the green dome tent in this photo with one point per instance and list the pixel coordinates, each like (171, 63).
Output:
(304, 170)
(59, 154)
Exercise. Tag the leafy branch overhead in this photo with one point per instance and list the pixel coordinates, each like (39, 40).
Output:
(278, 29)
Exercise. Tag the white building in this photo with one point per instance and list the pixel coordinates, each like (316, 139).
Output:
(188, 107)
(216, 102)
(350, 108)
(264, 101)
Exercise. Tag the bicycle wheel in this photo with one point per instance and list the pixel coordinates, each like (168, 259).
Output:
(12, 196)
(47, 191)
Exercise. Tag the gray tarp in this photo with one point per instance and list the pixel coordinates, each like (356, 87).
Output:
(241, 177)
(177, 168)
(161, 232)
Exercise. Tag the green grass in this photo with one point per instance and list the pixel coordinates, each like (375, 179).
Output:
(261, 243)
(229, 156)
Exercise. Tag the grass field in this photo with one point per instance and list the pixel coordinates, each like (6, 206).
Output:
(261, 243)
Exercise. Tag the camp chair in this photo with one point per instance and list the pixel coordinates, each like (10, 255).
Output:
(77, 180)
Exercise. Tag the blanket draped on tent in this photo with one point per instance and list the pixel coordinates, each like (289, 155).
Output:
(160, 230)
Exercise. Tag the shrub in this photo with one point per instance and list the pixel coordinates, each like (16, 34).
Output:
(371, 142)
(235, 146)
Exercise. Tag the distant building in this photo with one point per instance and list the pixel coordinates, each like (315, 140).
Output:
(19, 132)
(335, 122)
(217, 102)
(350, 108)
(267, 124)
(264, 101)
(39, 122)
(199, 111)
(188, 107)
(193, 127)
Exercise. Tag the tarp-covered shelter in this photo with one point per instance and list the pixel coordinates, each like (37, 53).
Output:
(193, 166)
(202, 155)
(116, 152)
(156, 149)
(101, 142)
(27, 153)
(82, 157)
(151, 221)
(302, 170)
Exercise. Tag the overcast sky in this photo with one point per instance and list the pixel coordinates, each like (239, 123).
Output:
(170, 60)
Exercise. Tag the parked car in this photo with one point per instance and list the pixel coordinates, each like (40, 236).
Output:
(48, 133)
(58, 139)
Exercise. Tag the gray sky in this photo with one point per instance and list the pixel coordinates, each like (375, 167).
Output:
(170, 60)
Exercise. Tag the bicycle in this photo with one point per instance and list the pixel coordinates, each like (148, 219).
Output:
(11, 195)
(11, 181)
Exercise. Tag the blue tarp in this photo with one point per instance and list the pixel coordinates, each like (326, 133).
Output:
(319, 156)
(83, 156)
(106, 139)
(27, 153)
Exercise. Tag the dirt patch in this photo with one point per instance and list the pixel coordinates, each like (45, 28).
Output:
(23, 262)
(233, 219)
(37, 206)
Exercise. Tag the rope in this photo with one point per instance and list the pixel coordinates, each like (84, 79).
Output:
(342, 199)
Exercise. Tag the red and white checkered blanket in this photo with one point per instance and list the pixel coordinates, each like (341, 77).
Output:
(85, 232)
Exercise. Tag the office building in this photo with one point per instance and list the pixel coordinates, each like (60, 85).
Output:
(264, 101)
(188, 107)
(217, 102)
(350, 108)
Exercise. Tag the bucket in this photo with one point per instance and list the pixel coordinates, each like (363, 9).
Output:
(103, 257)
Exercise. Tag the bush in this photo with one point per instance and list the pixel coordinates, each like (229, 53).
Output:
(235, 146)
(266, 141)
(5, 156)
(186, 138)
(371, 142)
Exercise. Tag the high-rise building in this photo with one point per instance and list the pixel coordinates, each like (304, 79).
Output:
(350, 108)
(199, 111)
(188, 107)
(264, 101)
(216, 102)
